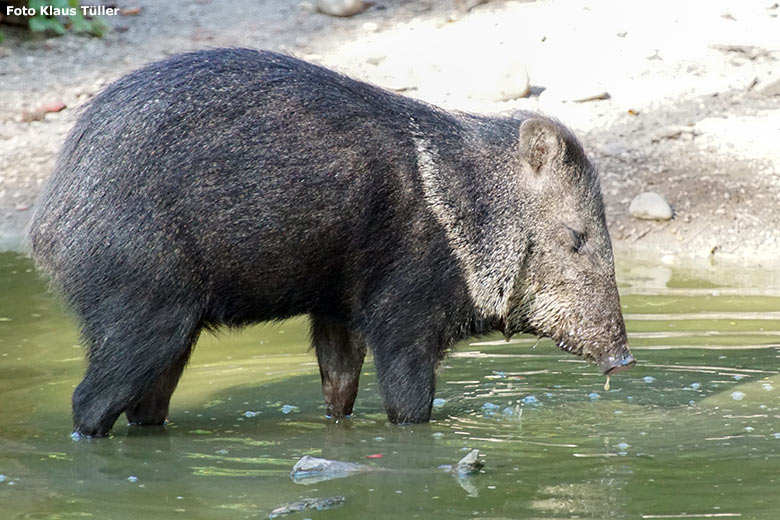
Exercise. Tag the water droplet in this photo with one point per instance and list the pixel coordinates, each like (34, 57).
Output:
(737, 396)
(648, 379)
(439, 402)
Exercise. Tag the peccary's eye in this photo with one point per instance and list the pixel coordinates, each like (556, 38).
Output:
(577, 240)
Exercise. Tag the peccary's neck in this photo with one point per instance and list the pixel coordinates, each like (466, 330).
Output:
(465, 166)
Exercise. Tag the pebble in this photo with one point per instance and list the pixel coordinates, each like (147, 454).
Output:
(650, 206)
(342, 8)
(770, 88)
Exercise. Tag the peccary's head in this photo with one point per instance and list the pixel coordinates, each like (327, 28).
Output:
(565, 289)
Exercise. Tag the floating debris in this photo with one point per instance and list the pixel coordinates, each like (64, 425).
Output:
(319, 504)
(469, 464)
(606, 385)
(310, 470)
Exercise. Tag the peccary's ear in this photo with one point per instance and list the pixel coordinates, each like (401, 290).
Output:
(539, 142)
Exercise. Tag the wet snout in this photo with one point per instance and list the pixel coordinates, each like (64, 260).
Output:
(613, 364)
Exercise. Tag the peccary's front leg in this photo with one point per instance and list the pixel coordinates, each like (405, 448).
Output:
(340, 354)
(406, 372)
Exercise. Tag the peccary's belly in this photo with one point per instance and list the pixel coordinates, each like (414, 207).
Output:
(275, 251)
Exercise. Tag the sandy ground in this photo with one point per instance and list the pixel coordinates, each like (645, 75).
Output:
(692, 108)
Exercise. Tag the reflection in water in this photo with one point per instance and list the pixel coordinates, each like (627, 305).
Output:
(692, 432)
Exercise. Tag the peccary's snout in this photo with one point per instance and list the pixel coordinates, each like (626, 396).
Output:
(612, 364)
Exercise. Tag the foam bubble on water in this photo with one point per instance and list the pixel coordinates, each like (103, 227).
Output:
(777, 435)
(737, 396)
(132, 478)
(288, 408)
(749, 429)
(250, 413)
(768, 387)
(75, 436)
(695, 386)
(593, 396)
(648, 379)
(623, 446)
(530, 399)
(437, 435)
(2, 477)
(737, 377)
(439, 402)
(490, 407)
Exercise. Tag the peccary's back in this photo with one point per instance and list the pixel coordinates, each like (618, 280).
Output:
(228, 168)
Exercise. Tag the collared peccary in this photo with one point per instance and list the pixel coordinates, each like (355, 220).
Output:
(228, 187)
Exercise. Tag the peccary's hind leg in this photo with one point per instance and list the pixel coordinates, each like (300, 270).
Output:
(152, 408)
(340, 354)
(134, 360)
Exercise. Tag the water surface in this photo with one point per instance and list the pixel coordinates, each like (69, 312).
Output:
(692, 432)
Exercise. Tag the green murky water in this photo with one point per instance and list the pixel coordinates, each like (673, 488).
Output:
(691, 432)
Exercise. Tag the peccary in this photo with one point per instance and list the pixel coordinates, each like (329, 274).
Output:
(231, 186)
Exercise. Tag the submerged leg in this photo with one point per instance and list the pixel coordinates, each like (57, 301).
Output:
(134, 362)
(340, 354)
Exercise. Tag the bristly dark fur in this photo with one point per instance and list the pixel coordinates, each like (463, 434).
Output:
(231, 186)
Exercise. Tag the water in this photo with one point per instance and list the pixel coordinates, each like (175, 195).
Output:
(692, 432)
